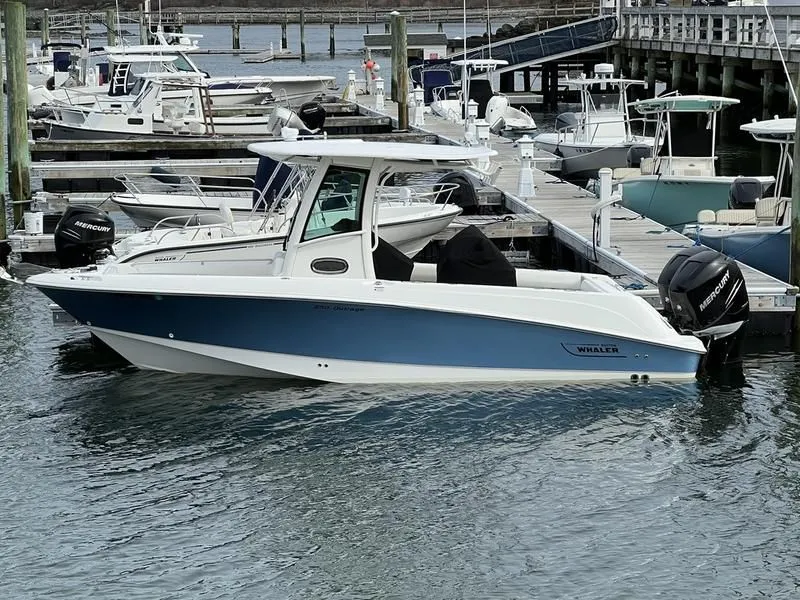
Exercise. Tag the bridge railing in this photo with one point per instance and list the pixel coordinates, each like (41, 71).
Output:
(741, 26)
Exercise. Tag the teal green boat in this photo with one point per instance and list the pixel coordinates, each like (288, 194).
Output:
(673, 189)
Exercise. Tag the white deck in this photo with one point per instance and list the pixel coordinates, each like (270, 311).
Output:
(639, 248)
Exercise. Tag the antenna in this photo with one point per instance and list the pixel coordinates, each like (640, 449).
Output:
(489, 29)
(780, 54)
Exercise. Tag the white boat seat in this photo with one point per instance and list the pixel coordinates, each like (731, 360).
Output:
(625, 172)
(736, 216)
(769, 210)
(706, 216)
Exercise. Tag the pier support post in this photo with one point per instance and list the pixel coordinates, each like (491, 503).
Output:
(794, 257)
(387, 28)
(332, 43)
(636, 66)
(3, 225)
(45, 27)
(302, 35)
(235, 30)
(144, 34)
(19, 157)
(554, 85)
(702, 77)
(111, 27)
(677, 74)
(768, 84)
(651, 76)
(440, 27)
(284, 41)
(544, 76)
(507, 82)
(618, 63)
(400, 68)
(728, 75)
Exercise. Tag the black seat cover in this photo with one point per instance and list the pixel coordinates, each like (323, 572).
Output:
(470, 257)
(390, 263)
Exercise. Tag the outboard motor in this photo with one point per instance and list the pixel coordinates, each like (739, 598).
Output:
(635, 155)
(465, 196)
(704, 293)
(566, 121)
(313, 115)
(83, 235)
(744, 192)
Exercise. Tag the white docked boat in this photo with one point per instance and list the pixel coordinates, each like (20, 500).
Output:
(87, 84)
(150, 115)
(447, 100)
(601, 134)
(342, 305)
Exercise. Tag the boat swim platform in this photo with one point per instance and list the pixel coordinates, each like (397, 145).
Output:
(639, 248)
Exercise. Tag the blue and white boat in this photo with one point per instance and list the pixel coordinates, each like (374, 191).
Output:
(756, 231)
(341, 305)
(673, 189)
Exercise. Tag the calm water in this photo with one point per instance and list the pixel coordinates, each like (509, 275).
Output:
(117, 483)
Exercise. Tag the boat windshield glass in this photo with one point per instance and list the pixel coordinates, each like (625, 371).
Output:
(182, 64)
(337, 207)
(610, 100)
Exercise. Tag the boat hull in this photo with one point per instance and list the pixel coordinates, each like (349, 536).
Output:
(355, 342)
(675, 202)
(763, 248)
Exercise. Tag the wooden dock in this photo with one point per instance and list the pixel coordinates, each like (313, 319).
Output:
(640, 247)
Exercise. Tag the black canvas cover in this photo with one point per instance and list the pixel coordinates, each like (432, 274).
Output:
(264, 175)
(470, 257)
(390, 263)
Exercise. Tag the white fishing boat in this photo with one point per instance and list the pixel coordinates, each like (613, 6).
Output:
(448, 101)
(601, 134)
(672, 189)
(342, 305)
(753, 229)
(150, 115)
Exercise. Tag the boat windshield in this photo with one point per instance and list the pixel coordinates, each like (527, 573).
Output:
(337, 206)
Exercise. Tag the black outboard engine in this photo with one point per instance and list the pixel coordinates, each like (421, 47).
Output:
(313, 115)
(83, 235)
(464, 196)
(566, 121)
(704, 293)
(744, 192)
(635, 155)
(470, 257)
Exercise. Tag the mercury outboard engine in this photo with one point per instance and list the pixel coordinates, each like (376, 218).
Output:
(704, 293)
(312, 114)
(635, 155)
(83, 235)
(744, 192)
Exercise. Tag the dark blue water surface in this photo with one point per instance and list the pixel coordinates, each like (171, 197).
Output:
(116, 483)
(119, 483)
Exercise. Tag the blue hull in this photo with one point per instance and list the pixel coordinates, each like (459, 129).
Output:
(767, 252)
(361, 332)
(673, 203)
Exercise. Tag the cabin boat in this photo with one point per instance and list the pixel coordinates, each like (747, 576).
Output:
(673, 189)
(601, 134)
(342, 305)
(755, 230)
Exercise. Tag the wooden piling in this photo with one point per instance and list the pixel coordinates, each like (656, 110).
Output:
(111, 27)
(284, 40)
(651, 76)
(19, 157)
(400, 68)
(768, 83)
(702, 77)
(302, 35)
(3, 225)
(794, 257)
(677, 73)
(143, 34)
(554, 86)
(45, 27)
(332, 43)
(728, 76)
(235, 34)
(84, 34)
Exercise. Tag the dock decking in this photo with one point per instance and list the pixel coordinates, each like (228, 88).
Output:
(640, 247)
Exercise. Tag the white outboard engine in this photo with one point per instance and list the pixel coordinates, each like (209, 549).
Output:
(744, 192)
(83, 236)
(704, 293)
